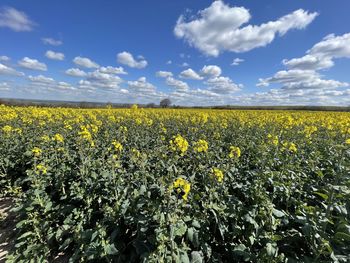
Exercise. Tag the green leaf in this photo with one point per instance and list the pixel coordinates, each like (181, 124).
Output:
(278, 213)
(110, 249)
(196, 257)
(324, 196)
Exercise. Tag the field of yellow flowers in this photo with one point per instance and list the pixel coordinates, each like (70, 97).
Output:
(172, 185)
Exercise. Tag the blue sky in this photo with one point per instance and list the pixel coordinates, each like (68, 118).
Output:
(194, 52)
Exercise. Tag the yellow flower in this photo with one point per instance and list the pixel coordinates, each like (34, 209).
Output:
(201, 146)
(136, 153)
(41, 168)
(347, 141)
(273, 139)
(291, 147)
(85, 134)
(182, 187)
(219, 175)
(45, 138)
(117, 145)
(235, 152)
(36, 151)
(58, 137)
(7, 129)
(179, 143)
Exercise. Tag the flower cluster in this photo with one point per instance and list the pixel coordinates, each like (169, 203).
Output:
(178, 143)
(235, 152)
(201, 146)
(218, 174)
(182, 187)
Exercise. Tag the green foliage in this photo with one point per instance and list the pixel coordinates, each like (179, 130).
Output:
(94, 203)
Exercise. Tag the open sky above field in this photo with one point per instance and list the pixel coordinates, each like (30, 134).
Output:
(205, 52)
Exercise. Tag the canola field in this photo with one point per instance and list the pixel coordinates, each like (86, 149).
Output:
(177, 185)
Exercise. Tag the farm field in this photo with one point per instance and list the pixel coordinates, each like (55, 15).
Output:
(177, 185)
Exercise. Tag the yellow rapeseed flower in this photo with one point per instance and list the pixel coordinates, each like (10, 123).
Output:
(235, 152)
(347, 141)
(36, 151)
(182, 187)
(273, 139)
(201, 146)
(41, 169)
(178, 143)
(117, 146)
(58, 138)
(219, 175)
(7, 129)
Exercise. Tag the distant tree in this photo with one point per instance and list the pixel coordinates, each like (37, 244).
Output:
(151, 105)
(165, 103)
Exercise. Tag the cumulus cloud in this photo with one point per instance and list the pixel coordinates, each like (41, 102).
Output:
(237, 61)
(75, 72)
(164, 74)
(128, 59)
(41, 79)
(169, 62)
(54, 55)
(211, 71)
(51, 41)
(322, 54)
(15, 20)
(219, 28)
(301, 79)
(4, 58)
(85, 62)
(4, 86)
(141, 86)
(5, 70)
(112, 70)
(49, 84)
(177, 84)
(223, 85)
(302, 72)
(103, 80)
(190, 74)
(32, 64)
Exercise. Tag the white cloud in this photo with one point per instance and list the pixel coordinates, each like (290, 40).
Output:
(15, 20)
(51, 41)
(190, 74)
(126, 58)
(75, 72)
(103, 80)
(4, 86)
(301, 79)
(41, 79)
(85, 62)
(169, 62)
(302, 73)
(5, 70)
(32, 64)
(177, 84)
(54, 55)
(218, 28)
(45, 84)
(211, 70)
(237, 61)
(223, 85)
(141, 86)
(322, 54)
(185, 64)
(164, 74)
(4, 58)
(112, 70)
